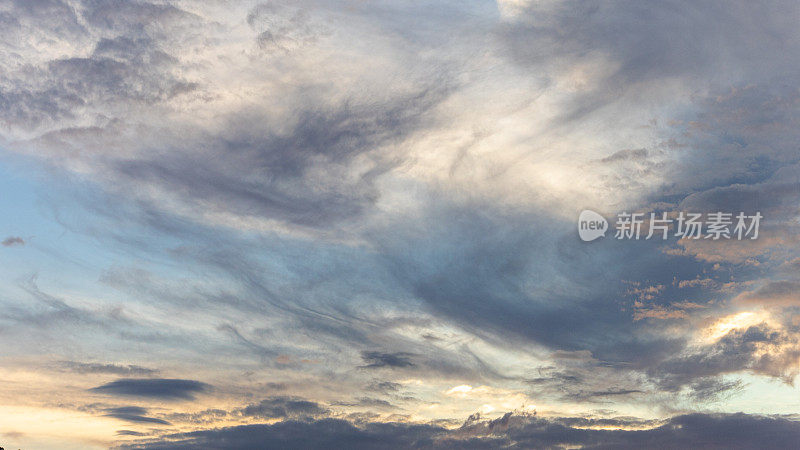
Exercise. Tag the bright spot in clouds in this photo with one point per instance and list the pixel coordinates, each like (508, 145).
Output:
(726, 324)
(459, 390)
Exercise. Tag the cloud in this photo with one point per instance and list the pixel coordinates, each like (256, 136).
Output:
(782, 293)
(127, 66)
(414, 187)
(129, 433)
(760, 349)
(284, 407)
(159, 388)
(114, 369)
(384, 386)
(305, 174)
(326, 433)
(589, 381)
(123, 17)
(310, 156)
(379, 359)
(12, 241)
(626, 155)
(664, 43)
(511, 431)
(133, 414)
(207, 416)
(282, 26)
(327, 155)
(714, 389)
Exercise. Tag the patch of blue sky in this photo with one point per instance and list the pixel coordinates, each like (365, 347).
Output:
(60, 249)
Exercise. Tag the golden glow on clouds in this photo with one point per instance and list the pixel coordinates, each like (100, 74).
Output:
(726, 324)
(460, 390)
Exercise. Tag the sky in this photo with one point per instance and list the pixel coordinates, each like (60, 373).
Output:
(353, 224)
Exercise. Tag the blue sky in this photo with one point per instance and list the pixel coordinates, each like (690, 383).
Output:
(351, 223)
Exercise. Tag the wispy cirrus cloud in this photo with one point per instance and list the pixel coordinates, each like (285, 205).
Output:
(115, 369)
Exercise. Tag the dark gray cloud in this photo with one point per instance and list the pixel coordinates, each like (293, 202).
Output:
(712, 431)
(380, 359)
(160, 388)
(134, 414)
(284, 407)
(607, 393)
(384, 386)
(326, 433)
(129, 433)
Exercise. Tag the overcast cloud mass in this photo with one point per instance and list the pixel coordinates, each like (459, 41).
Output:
(352, 224)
